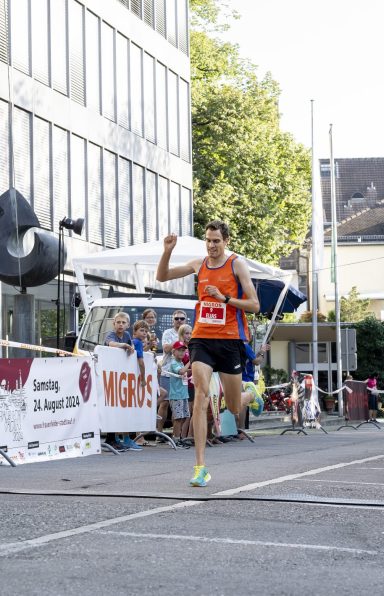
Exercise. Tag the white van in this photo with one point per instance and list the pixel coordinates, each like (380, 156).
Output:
(98, 322)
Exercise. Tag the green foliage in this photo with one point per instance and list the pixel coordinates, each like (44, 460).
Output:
(274, 376)
(370, 349)
(246, 170)
(289, 317)
(352, 309)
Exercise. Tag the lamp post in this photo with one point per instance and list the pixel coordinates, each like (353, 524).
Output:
(77, 226)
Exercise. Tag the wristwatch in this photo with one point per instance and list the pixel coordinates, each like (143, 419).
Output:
(227, 299)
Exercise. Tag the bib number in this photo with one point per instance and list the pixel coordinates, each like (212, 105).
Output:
(212, 313)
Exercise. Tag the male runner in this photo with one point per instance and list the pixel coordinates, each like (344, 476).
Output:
(225, 291)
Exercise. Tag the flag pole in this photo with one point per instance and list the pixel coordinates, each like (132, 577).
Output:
(334, 275)
(315, 252)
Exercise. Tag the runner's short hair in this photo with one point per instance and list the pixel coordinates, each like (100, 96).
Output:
(219, 225)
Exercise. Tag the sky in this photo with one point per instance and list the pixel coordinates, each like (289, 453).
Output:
(331, 52)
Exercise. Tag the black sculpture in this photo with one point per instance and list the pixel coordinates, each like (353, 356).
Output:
(41, 264)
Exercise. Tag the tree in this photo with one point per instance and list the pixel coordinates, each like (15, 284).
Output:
(352, 309)
(246, 170)
(370, 349)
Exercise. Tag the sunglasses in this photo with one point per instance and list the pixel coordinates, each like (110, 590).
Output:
(179, 318)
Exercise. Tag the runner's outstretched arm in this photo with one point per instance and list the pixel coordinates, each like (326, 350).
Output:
(164, 272)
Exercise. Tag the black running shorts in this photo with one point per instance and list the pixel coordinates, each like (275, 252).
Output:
(222, 355)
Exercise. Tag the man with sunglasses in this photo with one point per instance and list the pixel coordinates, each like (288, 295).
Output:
(169, 337)
(225, 292)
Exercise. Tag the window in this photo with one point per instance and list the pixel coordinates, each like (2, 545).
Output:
(322, 356)
(174, 208)
(4, 147)
(303, 353)
(160, 17)
(136, 8)
(186, 211)
(125, 210)
(60, 174)
(173, 117)
(149, 97)
(163, 208)
(108, 71)
(151, 206)
(78, 180)
(20, 35)
(122, 83)
(59, 37)
(76, 49)
(325, 170)
(138, 204)
(137, 90)
(148, 12)
(40, 62)
(171, 22)
(4, 37)
(161, 105)
(22, 151)
(185, 139)
(94, 194)
(110, 209)
(42, 159)
(182, 25)
(93, 61)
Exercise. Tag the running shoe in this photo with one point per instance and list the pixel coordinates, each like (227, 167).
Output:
(130, 445)
(257, 404)
(201, 476)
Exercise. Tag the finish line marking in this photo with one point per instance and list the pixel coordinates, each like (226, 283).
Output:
(14, 547)
(320, 547)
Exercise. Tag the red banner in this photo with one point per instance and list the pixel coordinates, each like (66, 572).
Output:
(356, 401)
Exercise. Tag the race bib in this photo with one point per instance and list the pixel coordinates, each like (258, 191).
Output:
(212, 313)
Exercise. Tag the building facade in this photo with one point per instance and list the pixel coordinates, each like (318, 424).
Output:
(95, 123)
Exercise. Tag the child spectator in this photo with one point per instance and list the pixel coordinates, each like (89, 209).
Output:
(178, 391)
(140, 330)
(185, 333)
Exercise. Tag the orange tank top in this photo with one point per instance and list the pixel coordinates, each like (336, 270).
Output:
(214, 319)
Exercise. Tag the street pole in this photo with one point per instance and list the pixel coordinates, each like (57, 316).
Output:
(314, 305)
(334, 276)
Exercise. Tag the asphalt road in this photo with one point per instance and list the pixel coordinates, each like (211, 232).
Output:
(285, 515)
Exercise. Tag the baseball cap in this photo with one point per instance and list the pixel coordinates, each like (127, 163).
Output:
(178, 345)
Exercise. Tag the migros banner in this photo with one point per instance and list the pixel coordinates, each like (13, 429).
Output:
(124, 404)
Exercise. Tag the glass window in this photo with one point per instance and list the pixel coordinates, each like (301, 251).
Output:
(40, 63)
(22, 151)
(59, 37)
(174, 207)
(110, 209)
(185, 139)
(138, 204)
(186, 211)
(322, 353)
(4, 24)
(182, 25)
(149, 97)
(42, 159)
(125, 210)
(173, 117)
(151, 206)
(60, 175)
(93, 60)
(148, 13)
(4, 147)
(161, 105)
(108, 71)
(303, 353)
(20, 35)
(163, 207)
(94, 194)
(76, 49)
(78, 181)
(136, 90)
(122, 82)
(160, 17)
(171, 22)
(136, 7)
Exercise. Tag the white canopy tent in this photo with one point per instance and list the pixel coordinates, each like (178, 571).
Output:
(144, 257)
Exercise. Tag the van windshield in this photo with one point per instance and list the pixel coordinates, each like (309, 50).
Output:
(99, 323)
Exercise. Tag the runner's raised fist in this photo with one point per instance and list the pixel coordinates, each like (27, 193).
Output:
(170, 242)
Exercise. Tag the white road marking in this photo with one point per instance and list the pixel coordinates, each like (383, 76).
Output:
(347, 482)
(279, 480)
(14, 547)
(321, 547)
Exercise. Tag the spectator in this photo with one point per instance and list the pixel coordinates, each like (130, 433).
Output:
(150, 317)
(372, 396)
(178, 391)
(169, 337)
(140, 330)
(120, 338)
(185, 333)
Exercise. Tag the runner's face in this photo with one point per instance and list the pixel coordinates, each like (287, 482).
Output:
(215, 244)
